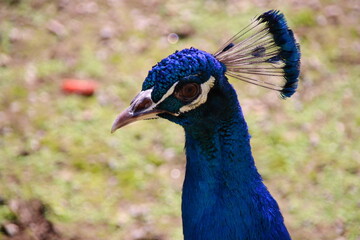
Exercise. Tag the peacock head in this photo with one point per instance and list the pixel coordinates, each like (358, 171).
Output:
(179, 86)
(174, 87)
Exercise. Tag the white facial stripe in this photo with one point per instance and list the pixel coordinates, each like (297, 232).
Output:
(205, 89)
(168, 93)
(147, 93)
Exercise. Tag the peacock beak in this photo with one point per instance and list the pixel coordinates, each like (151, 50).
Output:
(141, 107)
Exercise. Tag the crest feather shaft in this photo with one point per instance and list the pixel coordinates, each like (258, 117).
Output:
(264, 53)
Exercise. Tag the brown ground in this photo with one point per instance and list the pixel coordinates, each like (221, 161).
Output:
(30, 222)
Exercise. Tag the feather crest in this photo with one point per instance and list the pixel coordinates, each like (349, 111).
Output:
(265, 53)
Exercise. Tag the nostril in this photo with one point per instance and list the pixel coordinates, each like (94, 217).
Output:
(142, 104)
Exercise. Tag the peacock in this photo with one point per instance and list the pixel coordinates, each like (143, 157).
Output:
(223, 195)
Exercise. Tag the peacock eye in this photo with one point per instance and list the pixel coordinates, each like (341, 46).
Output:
(187, 92)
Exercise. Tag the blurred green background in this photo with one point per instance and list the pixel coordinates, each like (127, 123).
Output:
(58, 148)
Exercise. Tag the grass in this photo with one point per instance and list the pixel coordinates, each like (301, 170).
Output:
(57, 147)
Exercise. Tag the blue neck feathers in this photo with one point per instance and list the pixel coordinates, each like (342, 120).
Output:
(223, 194)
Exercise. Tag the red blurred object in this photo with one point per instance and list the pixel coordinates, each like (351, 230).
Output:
(79, 86)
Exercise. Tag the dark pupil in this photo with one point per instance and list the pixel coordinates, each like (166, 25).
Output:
(189, 91)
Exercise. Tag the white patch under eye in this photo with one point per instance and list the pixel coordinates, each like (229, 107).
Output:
(205, 89)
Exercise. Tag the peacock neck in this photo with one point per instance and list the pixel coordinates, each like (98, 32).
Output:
(223, 194)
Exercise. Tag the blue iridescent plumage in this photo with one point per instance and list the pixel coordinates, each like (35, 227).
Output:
(224, 197)
(290, 50)
(178, 66)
